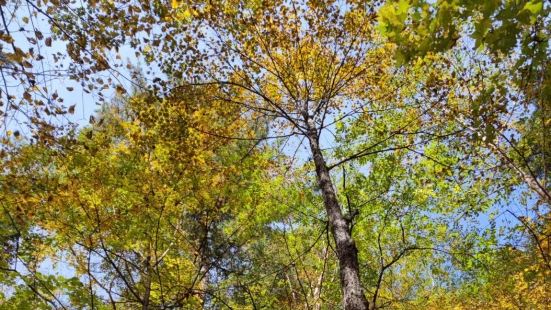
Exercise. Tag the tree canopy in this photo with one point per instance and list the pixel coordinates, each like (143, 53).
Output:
(275, 154)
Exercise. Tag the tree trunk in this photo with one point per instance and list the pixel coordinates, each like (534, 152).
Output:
(317, 289)
(349, 269)
(147, 283)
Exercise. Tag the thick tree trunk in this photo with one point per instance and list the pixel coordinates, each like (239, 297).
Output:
(353, 295)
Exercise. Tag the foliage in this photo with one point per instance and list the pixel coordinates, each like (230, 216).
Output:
(275, 154)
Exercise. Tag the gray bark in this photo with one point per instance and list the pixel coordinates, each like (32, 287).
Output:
(349, 269)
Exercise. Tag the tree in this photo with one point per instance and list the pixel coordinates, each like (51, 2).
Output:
(513, 109)
(321, 74)
(140, 204)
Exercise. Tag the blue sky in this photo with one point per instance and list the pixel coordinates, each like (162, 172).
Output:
(86, 105)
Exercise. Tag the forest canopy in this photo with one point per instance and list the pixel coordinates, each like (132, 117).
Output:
(281, 154)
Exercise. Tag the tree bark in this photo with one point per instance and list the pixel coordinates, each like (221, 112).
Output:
(347, 253)
(317, 289)
(147, 283)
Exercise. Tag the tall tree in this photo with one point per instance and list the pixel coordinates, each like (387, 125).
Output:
(510, 114)
(137, 203)
(316, 73)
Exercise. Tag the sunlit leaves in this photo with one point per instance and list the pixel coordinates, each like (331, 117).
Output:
(195, 187)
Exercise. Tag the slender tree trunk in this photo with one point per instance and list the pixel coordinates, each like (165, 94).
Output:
(349, 269)
(317, 290)
(147, 283)
(293, 294)
(204, 285)
(527, 177)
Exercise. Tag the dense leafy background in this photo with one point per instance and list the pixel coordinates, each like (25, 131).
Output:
(158, 154)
